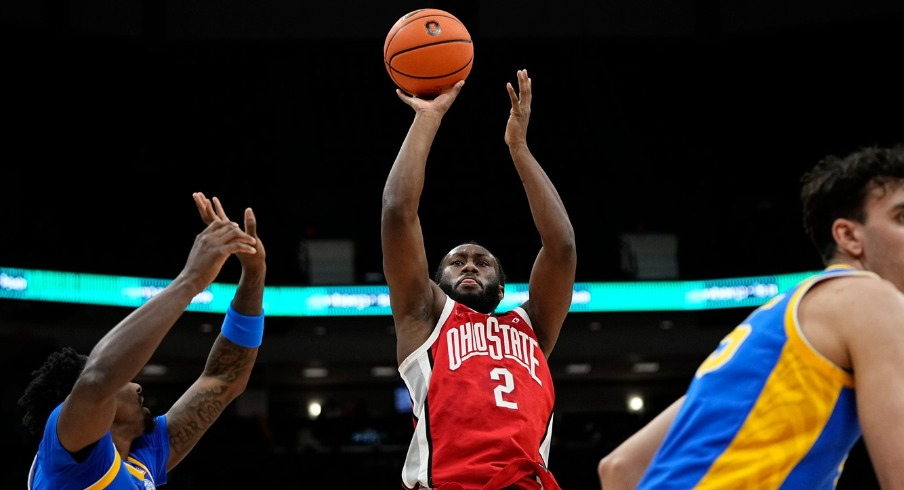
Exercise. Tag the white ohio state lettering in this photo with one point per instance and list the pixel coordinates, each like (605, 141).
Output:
(497, 341)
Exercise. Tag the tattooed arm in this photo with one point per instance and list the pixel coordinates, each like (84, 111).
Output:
(233, 354)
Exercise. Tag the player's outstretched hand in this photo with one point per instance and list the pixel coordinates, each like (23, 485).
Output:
(438, 105)
(212, 210)
(220, 239)
(519, 115)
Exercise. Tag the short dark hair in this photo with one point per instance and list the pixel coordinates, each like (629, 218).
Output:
(49, 386)
(837, 187)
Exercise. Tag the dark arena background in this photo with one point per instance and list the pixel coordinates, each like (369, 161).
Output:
(675, 131)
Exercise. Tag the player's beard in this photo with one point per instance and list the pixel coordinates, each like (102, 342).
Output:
(485, 301)
(150, 422)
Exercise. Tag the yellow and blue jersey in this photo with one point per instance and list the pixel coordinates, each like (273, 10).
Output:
(103, 467)
(765, 410)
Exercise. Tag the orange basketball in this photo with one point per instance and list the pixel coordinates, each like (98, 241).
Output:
(427, 51)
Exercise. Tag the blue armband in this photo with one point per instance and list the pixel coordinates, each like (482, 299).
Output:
(247, 331)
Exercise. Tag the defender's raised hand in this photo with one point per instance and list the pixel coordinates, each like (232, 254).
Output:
(212, 210)
(220, 239)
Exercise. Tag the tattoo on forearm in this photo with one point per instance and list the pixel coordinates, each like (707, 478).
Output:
(195, 417)
(228, 360)
(199, 409)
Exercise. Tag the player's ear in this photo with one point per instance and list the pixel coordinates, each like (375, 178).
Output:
(848, 236)
(501, 292)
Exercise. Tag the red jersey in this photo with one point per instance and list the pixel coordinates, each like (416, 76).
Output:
(482, 400)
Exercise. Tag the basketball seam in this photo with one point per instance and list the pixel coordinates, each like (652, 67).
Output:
(434, 77)
(438, 43)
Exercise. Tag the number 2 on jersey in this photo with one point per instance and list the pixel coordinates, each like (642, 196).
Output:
(507, 386)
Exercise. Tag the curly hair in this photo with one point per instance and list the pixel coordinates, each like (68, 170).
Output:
(838, 187)
(49, 386)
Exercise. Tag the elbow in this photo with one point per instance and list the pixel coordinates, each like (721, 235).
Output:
(570, 247)
(609, 470)
(394, 211)
(397, 199)
(604, 469)
(235, 387)
(391, 207)
(570, 250)
(561, 239)
(568, 239)
(238, 383)
(565, 249)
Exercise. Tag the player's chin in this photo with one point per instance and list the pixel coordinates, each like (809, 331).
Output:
(463, 295)
(469, 291)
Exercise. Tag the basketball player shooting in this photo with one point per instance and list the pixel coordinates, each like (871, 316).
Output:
(481, 391)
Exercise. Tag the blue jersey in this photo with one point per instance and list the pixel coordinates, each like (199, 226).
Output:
(765, 410)
(145, 468)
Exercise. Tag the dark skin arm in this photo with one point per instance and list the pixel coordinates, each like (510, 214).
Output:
(551, 285)
(119, 356)
(416, 300)
(229, 365)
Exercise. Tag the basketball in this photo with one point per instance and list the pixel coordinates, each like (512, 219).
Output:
(427, 51)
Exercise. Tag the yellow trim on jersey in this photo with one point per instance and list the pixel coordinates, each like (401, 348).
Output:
(138, 472)
(797, 340)
(797, 400)
(109, 475)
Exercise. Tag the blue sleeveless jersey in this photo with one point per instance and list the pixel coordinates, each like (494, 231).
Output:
(103, 468)
(764, 410)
